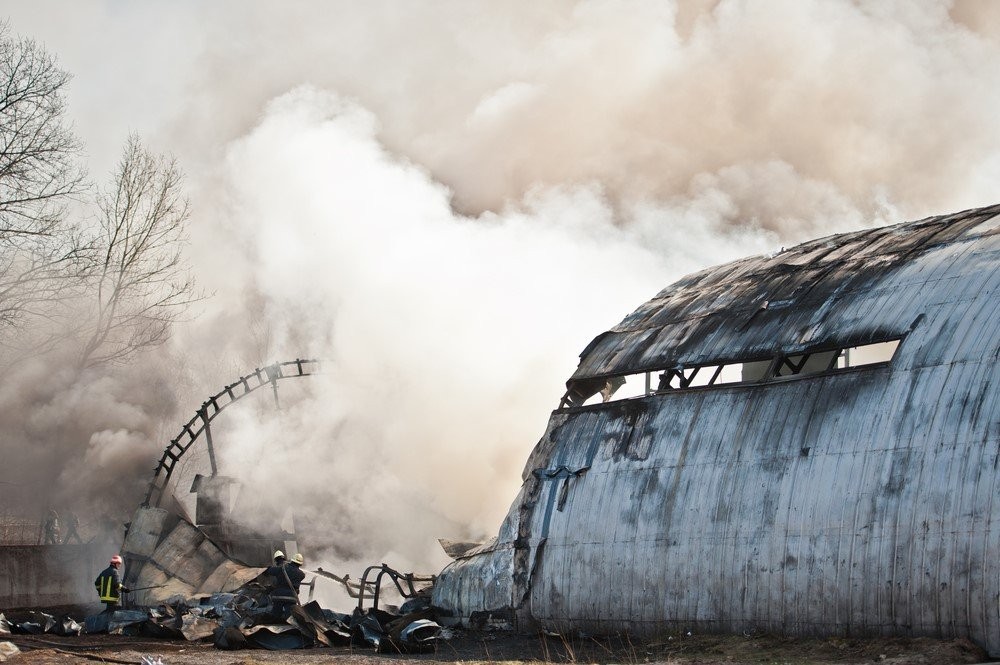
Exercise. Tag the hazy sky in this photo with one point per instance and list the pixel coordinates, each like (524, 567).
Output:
(447, 200)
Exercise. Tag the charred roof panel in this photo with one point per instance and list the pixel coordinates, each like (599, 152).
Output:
(856, 287)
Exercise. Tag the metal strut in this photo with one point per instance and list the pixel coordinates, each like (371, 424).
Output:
(201, 422)
(408, 578)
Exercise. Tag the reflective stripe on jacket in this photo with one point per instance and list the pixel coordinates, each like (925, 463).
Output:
(109, 585)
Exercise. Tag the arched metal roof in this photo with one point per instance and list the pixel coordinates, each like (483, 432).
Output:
(856, 501)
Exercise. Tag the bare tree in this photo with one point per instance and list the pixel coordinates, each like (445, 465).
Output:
(143, 285)
(132, 273)
(38, 153)
(39, 176)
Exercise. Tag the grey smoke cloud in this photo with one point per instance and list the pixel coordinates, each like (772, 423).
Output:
(877, 100)
(445, 201)
(81, 440)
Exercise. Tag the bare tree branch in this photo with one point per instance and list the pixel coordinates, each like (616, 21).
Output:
(39, 168)
(131, 273)
(41, 254)
(142, 283)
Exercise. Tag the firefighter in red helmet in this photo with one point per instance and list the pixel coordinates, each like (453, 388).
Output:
(109, 585)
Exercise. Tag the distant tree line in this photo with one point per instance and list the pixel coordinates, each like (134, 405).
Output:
(97, 267)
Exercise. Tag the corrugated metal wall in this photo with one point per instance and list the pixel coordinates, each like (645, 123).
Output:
(859, 502)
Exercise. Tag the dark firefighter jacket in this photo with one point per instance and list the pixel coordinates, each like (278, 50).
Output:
(281, 589)
(109, 585)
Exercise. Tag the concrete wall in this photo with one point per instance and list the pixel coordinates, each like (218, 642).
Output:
(49, 575)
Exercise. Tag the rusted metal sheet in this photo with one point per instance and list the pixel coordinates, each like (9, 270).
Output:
(854, 502)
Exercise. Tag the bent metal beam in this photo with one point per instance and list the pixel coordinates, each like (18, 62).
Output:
(200, 423)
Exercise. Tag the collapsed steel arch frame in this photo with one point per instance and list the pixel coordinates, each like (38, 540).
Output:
(200, 423)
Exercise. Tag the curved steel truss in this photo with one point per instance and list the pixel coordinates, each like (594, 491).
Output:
(210, 408)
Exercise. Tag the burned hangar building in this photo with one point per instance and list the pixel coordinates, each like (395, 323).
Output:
(805, 443)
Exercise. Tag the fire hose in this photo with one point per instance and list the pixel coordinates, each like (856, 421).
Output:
(144, 588)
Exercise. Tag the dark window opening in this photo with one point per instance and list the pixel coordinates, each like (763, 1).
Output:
(807, 363)
(783, 366)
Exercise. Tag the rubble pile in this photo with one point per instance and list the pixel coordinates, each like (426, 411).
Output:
(244, 620)
(38, 623)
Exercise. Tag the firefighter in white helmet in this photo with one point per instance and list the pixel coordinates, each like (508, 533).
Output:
(285, 594)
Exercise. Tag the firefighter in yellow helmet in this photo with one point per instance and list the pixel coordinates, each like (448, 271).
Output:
(109, 585)
(295, 574)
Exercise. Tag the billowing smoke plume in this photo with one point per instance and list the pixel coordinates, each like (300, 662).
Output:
(445, 202)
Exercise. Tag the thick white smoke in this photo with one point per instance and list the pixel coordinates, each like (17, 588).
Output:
(446, 201)
(444, 337)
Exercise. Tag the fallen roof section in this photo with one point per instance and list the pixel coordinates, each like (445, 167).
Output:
(167, 557)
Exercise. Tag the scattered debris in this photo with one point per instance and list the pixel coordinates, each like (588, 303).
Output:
(38, 623)
(244, 619)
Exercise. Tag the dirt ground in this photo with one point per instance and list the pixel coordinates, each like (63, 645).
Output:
(472, 648)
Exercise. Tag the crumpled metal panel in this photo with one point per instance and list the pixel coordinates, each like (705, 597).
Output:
(158, 586)
(145, 532)
(178, 562)
(276, 637)
(181, 553)
(317, 626)
(36, 624)
(857, 503)
(195, 627)
(420, 631)
(482, 582)
(228, 576)
(124, 622)
(481, 578)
